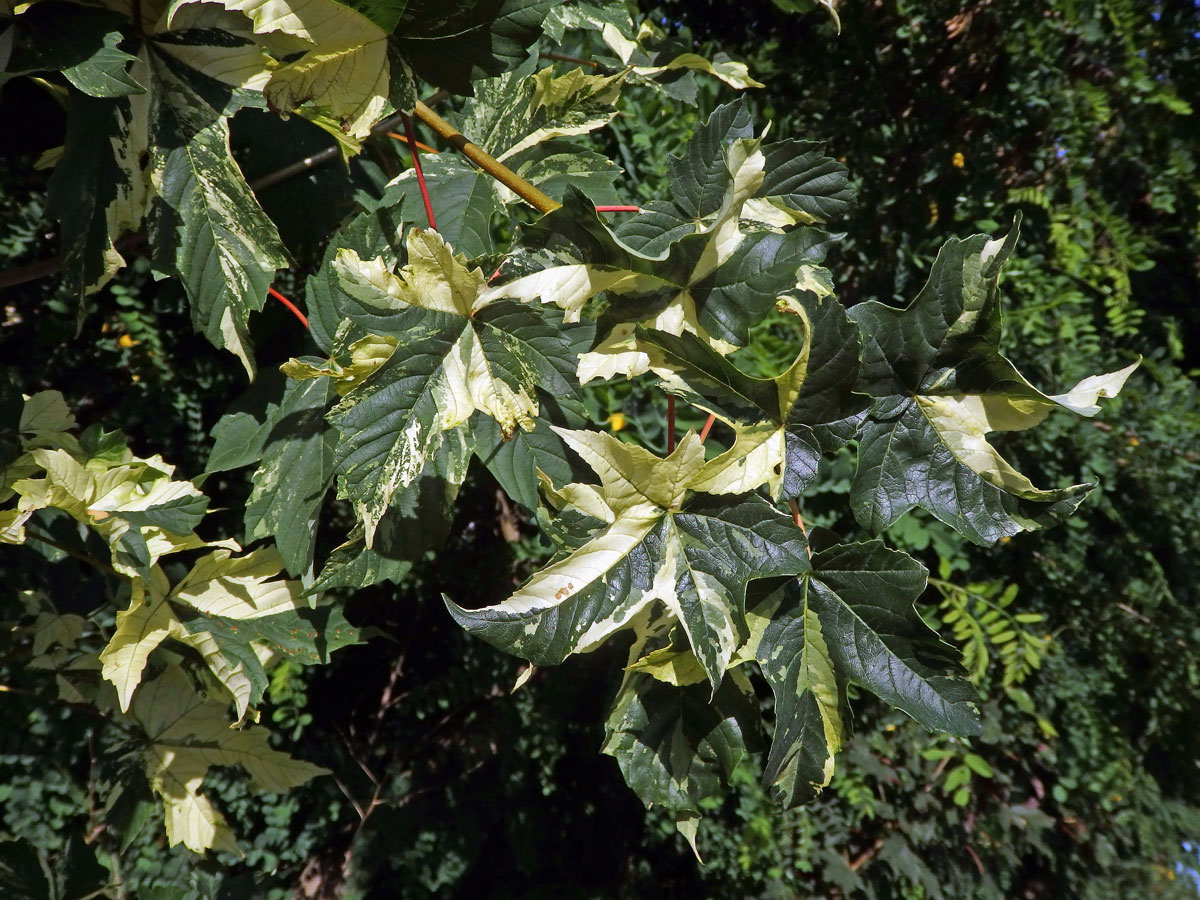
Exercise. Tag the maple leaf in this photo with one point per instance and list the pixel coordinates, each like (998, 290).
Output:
(685, 265)
(850, 619)
(654, 542)
(188, 735)
(939, 385)
(457, 351)
(782, 426)
(234, 612)
(676, 745)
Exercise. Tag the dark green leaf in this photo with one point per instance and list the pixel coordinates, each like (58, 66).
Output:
(295, 472)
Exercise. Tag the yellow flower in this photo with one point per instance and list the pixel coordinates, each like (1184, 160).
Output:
(616, 421)
(933, 212)
(958, 160)
(126, 341)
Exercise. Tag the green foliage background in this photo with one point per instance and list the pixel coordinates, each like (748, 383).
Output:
(950, 117)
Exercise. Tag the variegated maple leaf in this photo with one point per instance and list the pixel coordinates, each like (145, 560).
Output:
(458, 350)
(940, 385)
(694, 264)
(654, 542)
(782, 425)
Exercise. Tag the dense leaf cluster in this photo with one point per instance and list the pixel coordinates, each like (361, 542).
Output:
(460, 362)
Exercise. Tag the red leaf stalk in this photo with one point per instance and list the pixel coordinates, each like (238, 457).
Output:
(416, 161)
(290, 305)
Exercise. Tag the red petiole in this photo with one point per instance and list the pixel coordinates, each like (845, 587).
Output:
(416, 160)
(290, 305)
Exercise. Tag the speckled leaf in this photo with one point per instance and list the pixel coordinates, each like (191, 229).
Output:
(226, 249)
(469, 354)
(684, 266)
(417, 521)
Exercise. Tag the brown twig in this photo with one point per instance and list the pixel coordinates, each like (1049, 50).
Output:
(670, 422)
(493, 167)
(862, 858)
(562, 57)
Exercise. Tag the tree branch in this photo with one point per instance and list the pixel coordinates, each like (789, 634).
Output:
(486, 161)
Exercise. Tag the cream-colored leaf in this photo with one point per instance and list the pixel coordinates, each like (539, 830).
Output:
(586, 498)
(632, 476)
(366, 355)
(677, 667)
(221, 584)
(231, 674)
(125, 489)
(812, 278)
(470, 384)
(569, 286)
(56, 630)
(162, 543)
(46, 411)
(756, 458)
(776, 215)
(735, 74)
(575, 104)
(435, 278)
(1082, 398)
(243, 63)
(12, 525)
(746, 164)
(621, 354)
(346, 70)
(191, 819)
(67, 484)
(189, 735)
(522, 678)
(139, 629)
(963, 422)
